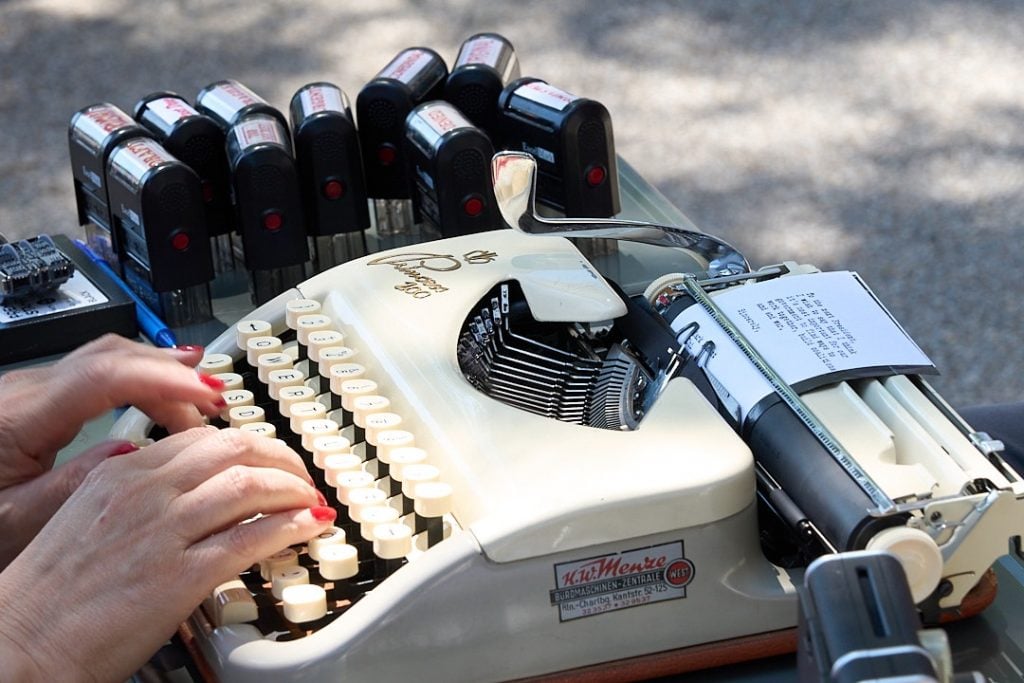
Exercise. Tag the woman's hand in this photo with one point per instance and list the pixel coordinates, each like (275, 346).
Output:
(143, 540)
(44, 408)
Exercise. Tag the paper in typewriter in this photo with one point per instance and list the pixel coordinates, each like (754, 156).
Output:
(812, 329)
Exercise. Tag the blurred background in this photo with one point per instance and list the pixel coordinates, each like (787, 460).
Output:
(881, 137)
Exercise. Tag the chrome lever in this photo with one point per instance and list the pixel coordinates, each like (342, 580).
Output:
(514, 175)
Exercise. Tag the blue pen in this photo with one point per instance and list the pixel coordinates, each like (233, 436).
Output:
(149, 322)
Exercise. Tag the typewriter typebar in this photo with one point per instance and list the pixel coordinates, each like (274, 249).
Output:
(534, 474)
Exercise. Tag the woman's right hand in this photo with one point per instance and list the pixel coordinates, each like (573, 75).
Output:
(143, 540)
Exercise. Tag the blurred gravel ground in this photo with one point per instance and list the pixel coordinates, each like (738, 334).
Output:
(881, 137)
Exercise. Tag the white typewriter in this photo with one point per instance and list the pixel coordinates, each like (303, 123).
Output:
(541, 475)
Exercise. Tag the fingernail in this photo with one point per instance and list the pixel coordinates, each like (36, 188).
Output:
(323, 513)
(320, 499)
(211, 382)
(220, 403)
(126, 447)
(189, 348)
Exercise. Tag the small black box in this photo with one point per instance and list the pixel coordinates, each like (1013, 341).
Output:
(85, 307)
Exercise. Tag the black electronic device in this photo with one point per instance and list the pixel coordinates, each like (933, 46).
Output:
(87, 305)
(31, 266)
(270, 216)
(330, 169)
(198, 141)
(415, 75)
(159, 219)
(486, 64)
(571, 138)
(858, 623)
(450, 159)
(227, 102)
(93, 134)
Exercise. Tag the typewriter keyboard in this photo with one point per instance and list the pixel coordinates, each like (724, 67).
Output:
(306, 387)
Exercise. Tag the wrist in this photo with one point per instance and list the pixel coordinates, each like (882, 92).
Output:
(18, 644)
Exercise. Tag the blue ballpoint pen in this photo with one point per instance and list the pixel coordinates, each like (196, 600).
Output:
(149, 322)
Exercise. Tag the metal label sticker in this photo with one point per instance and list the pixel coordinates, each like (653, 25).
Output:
(130, 161)
(318, 98)
(94, 124)
(407, 65)
(228, 98)
(482, 50)
(431, 122)
(77, 292)
(170, 110)
(255, 130)
(545, 94)
(607, 583)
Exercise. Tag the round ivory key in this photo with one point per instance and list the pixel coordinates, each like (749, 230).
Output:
(352, 481)
(247, 329)
(414, 475)
(379, 422)
(304, 602)
(262, 428)
(332, 536)
(279, 560)
(296, 307)
(329, 445)
(216, 364)
(342, 372)
(257, 346)
(402, 457)
(389, 440)
(433, 499)
(304, 411)
(338, 464)
(322, 339)
(340, 561)
(366, 405)
(285, 377)
(232, 380)
(392, 541)
(374, 516)
(307, 324)
(315, 428)
(289, 576)
(240, 415)
(362, 499)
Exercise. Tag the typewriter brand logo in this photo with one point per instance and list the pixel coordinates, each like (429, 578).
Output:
(418, 284)
(616, 581)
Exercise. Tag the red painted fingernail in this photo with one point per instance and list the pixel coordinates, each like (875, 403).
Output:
(220, 403)
(189, 348)
(320, 499)
(323, 513)
(211, 382)
(126, 447)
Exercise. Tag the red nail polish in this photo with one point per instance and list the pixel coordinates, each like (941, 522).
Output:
(126, 447)
(323, 513)
(211, 382)
(190, 348)
(220, 403)
(320, 498)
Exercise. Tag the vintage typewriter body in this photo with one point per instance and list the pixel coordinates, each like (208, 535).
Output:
(603, 510)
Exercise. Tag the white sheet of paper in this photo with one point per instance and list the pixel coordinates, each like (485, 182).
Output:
(77, 292)
(805, 327)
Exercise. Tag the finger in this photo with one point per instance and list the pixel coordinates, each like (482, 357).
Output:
(149, 379)
(165, 450)
(236, 494)
(30, 505)
(223, 555)
(221, 449)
